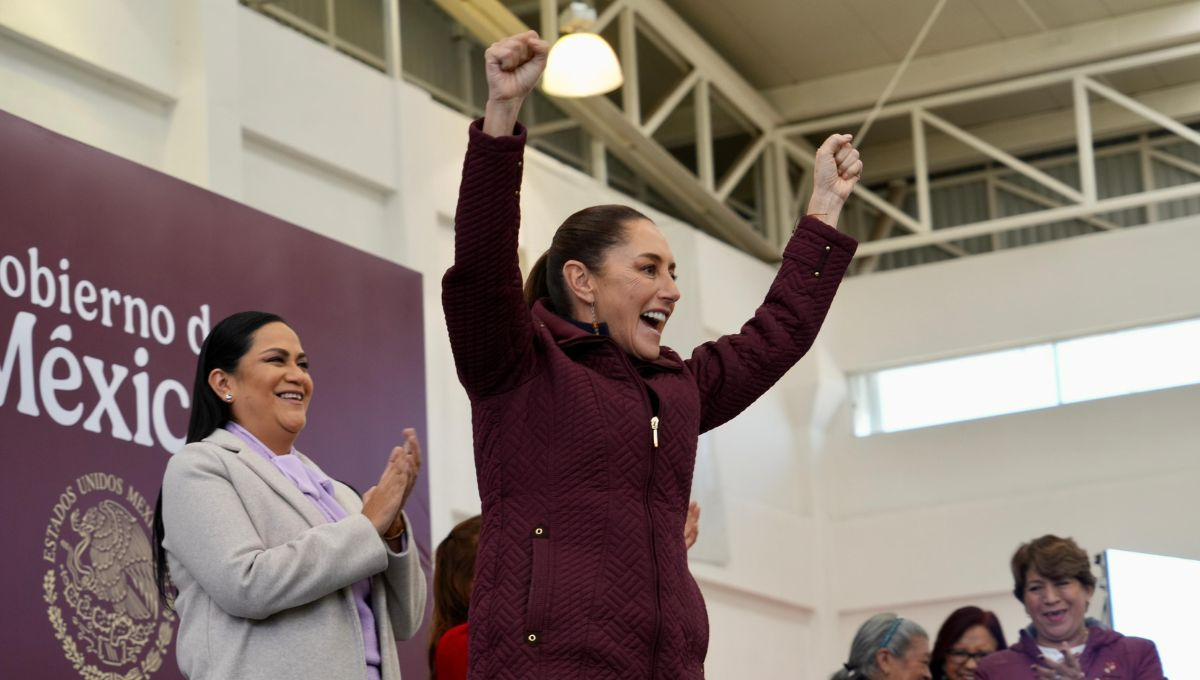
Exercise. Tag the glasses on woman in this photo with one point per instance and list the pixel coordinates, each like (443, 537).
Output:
(963, 656)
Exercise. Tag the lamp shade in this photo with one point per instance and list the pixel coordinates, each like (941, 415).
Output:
(581, 64)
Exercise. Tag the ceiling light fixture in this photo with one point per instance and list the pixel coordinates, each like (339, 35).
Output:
(581, 63)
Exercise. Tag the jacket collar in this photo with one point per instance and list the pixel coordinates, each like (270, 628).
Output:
(568, 334)
(275, 479)
(1098, 638)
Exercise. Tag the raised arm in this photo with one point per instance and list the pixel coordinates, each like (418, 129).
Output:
(513, 67)
(836, 169)
(736, 369)
(489, 324)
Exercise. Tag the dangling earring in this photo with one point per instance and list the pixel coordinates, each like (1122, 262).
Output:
(228, 397)
(595, 324)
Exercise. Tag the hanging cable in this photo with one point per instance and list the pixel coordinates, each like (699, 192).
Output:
(887, 91)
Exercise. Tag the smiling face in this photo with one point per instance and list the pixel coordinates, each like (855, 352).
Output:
(1057, 608)
(635, 291)
(271, 387)
(963, 657)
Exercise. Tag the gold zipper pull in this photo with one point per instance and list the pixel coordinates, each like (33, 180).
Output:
(654, 430)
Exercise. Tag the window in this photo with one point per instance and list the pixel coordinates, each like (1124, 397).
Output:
(1027, 378)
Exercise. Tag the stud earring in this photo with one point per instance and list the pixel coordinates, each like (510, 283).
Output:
(595, 324)
(228, 396)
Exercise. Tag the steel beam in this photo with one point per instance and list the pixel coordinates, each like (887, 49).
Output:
(1030, 219)
(694, 197)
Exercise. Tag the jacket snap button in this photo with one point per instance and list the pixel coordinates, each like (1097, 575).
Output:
(532, 637)
(539, 531)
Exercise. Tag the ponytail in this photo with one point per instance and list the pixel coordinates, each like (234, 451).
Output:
(585, 236)
(535, 285)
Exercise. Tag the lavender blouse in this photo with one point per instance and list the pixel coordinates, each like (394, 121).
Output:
(319, 489)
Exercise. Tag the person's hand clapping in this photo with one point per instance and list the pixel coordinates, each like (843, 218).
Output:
(836, 169)
(513, 67)
(1066, 669)
(691, 526)
(383, 502)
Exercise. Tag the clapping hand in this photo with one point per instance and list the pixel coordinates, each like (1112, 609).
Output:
(691, 526)
(383, 502)
(1067, 669)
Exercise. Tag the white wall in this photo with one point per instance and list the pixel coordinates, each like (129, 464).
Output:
(819, 528)
(945, 506)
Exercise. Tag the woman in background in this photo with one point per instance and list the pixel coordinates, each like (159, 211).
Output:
(280, 571)
(968, 635)
(887, 647)
(1053, 579)
(453, 574)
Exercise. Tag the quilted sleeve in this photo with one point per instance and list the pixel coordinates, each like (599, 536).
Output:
(734, 370)
(490, 327)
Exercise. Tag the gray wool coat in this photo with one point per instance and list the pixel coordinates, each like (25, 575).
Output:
(264, 579)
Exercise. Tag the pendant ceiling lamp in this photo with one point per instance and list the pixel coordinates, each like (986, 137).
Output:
(581, 63)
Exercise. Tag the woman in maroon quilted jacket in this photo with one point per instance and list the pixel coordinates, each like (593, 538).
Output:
(585, 428)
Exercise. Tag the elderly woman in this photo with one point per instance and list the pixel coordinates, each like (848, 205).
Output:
(1053, 579)
(280, 571)
(887, 647)
(967, 635)
(585, 427)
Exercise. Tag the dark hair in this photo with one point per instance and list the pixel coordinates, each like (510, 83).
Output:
(224, 347)
(956, 626)
(585, 236)
(453, 574)
(1053, 557)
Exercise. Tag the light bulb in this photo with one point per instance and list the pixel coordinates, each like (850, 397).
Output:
(581, 64)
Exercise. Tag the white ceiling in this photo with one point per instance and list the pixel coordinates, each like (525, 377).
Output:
(812, 59)
(814, 66)
(775, 43)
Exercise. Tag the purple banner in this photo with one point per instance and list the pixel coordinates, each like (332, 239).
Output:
(110, 276)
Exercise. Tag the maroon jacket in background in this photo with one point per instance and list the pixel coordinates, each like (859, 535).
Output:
(1107, 656)
(582, 570)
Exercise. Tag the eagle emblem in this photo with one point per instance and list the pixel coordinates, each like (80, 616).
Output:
(101, 596)
(109, 581)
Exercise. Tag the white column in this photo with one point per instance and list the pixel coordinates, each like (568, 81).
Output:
(204, 138)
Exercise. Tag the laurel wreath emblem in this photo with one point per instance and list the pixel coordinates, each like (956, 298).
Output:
(142, 671)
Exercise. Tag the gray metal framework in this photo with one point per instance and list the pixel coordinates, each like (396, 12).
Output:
(779, 151)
